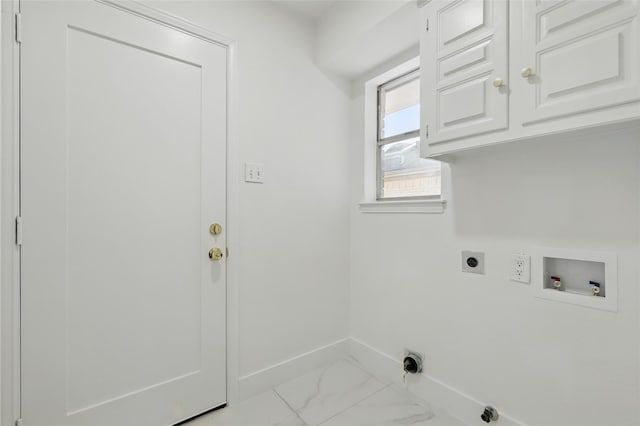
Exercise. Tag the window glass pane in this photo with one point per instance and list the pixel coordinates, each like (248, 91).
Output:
(401, 109)
(405, 174)
(402, 121)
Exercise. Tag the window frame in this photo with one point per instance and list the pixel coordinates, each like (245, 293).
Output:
(382, 89)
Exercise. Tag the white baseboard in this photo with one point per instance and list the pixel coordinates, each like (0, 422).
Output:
(274, 375)
(456, 403)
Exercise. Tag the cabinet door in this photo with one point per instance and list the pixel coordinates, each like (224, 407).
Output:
(583, 56)
(463, 53)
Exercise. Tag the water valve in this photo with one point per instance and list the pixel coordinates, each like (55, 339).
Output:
(489, 415)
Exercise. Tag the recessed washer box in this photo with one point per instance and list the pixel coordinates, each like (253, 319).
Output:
(473, 261)
(579, 272)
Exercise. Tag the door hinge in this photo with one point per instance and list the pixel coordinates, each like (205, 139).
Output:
(19, 422)
(18, 28)
(426, 26)
(18, 231)
(426, 131)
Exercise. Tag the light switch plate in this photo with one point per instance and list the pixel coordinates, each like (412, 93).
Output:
(473, 261)
(254, 172)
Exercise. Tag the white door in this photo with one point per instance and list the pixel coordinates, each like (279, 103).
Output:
(123, 153)
(579, 56)
(463, 53)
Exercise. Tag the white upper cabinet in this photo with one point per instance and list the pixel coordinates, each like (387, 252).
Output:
(501, 70)
(582, 55)
(464, 85)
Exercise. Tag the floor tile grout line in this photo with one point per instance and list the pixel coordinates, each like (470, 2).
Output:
(295, 412)
(354, 404)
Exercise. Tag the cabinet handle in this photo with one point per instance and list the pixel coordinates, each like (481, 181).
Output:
(526, 72)
(498, 82)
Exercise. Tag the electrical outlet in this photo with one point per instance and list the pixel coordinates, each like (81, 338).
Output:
(473, 261)
(521, 268)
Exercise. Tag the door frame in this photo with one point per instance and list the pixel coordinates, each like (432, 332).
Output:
(10, 390)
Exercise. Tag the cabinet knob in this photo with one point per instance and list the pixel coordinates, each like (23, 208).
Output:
(526, 72)
(498, 82)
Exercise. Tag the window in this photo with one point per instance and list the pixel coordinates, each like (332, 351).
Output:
(401, 172)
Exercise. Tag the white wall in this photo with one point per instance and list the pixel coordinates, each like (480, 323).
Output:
(291, 257)
(541, 361)
(354, 36)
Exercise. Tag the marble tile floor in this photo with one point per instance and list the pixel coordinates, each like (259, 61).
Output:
(340, 394)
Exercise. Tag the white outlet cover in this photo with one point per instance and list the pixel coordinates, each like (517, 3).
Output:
(473, 261)
(520, 268)
(254, 172)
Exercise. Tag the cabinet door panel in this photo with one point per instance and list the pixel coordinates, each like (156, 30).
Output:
(462, 53)
(568, 15)
(463, 105)
(584, 56)
(459, 19)
(463, 61)
(572, 67)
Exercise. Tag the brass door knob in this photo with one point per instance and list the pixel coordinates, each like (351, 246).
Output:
(215, 254)
(498, 82)
(215, 229)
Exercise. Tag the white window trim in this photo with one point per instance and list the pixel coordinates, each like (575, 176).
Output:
(408, 206)
(370, 204)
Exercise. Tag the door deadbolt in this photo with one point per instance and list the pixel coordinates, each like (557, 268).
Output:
(215, 229)
(215, 254)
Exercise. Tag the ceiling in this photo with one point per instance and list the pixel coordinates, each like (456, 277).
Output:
(308, 9)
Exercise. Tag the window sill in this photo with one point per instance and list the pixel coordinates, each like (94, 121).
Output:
(401, 206)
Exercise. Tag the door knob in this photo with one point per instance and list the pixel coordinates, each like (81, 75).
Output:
(526, 72)
(215, 229)
(215, 254)
(498, 82)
